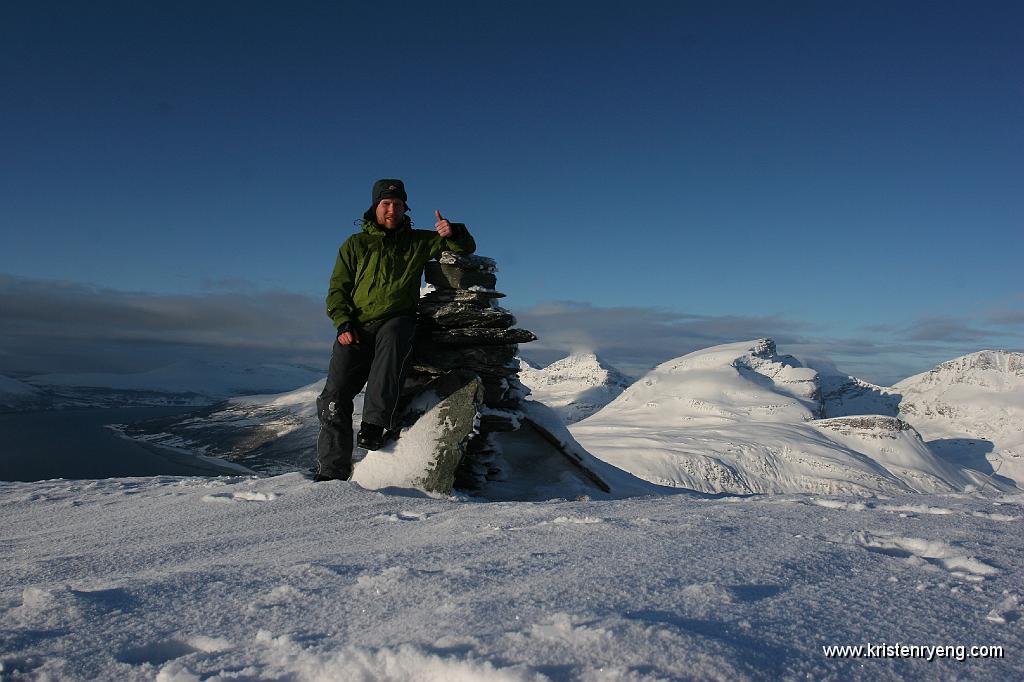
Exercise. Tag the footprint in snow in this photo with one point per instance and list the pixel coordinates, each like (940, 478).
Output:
(403, 516)
(158, 653)
(240, 496)
(1006, 611)
(991, 516)
(931, 552)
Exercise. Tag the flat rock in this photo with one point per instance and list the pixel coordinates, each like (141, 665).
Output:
(462, 315)
(481, 337)
(451, 277)
(481, 297)
(493, 360)
(468, 262)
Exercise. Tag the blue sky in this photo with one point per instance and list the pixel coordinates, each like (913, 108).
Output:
(651, 177)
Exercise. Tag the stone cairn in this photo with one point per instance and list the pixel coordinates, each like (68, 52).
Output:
(465, 339)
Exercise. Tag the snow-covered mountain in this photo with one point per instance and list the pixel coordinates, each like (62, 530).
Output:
(732, 418)
(270, 433)
(17, 395)
(576, 386)
(971, 409)
(205, 380)
(843, 396)
(742, 418)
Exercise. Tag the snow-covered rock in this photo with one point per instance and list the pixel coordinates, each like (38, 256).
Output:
(971, 408)
(576, 386)
(741, 418)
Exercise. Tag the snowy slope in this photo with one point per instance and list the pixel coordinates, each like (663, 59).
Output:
(576, 386)
(742, 418)
(179, 579)
(971, 409)
(212, 379)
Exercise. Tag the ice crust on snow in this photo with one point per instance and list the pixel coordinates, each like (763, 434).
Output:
(157, 578)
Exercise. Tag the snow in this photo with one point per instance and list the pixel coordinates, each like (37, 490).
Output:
(241, 578)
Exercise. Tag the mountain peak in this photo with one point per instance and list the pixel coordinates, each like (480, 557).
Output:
(1001, 370)
(575, 386)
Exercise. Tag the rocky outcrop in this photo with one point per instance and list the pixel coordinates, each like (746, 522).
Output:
(462, 331)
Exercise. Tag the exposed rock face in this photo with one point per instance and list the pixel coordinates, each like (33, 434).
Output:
(875, 426)
(455, 418)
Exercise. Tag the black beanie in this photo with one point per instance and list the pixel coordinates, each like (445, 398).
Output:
(389, 188)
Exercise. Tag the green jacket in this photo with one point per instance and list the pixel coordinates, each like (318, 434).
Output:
(377, 274)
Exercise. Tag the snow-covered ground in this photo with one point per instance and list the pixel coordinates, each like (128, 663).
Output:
(280, 578)
(576, 386)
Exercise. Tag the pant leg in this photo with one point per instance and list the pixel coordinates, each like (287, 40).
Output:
(392, 350)
(350, 365)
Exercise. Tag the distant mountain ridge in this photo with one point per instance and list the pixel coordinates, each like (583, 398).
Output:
(16, 395)
(971, 409)
(211, 379)
(743, 418)
(575, 386)
(738, 418)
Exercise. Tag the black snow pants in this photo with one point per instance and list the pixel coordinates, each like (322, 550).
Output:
(379, 362)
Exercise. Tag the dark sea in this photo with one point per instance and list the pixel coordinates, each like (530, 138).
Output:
(36, 446)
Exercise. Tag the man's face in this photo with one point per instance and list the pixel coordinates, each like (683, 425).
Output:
(390, 213)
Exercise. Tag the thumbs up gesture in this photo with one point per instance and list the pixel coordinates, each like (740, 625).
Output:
(443, 227)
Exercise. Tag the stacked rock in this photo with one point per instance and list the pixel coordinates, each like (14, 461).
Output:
(460, 327)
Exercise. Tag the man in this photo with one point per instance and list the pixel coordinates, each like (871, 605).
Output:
(372, 302)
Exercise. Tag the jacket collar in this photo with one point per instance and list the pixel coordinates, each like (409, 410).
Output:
(371, 227)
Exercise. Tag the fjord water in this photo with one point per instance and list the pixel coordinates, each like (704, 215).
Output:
(35, 446)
